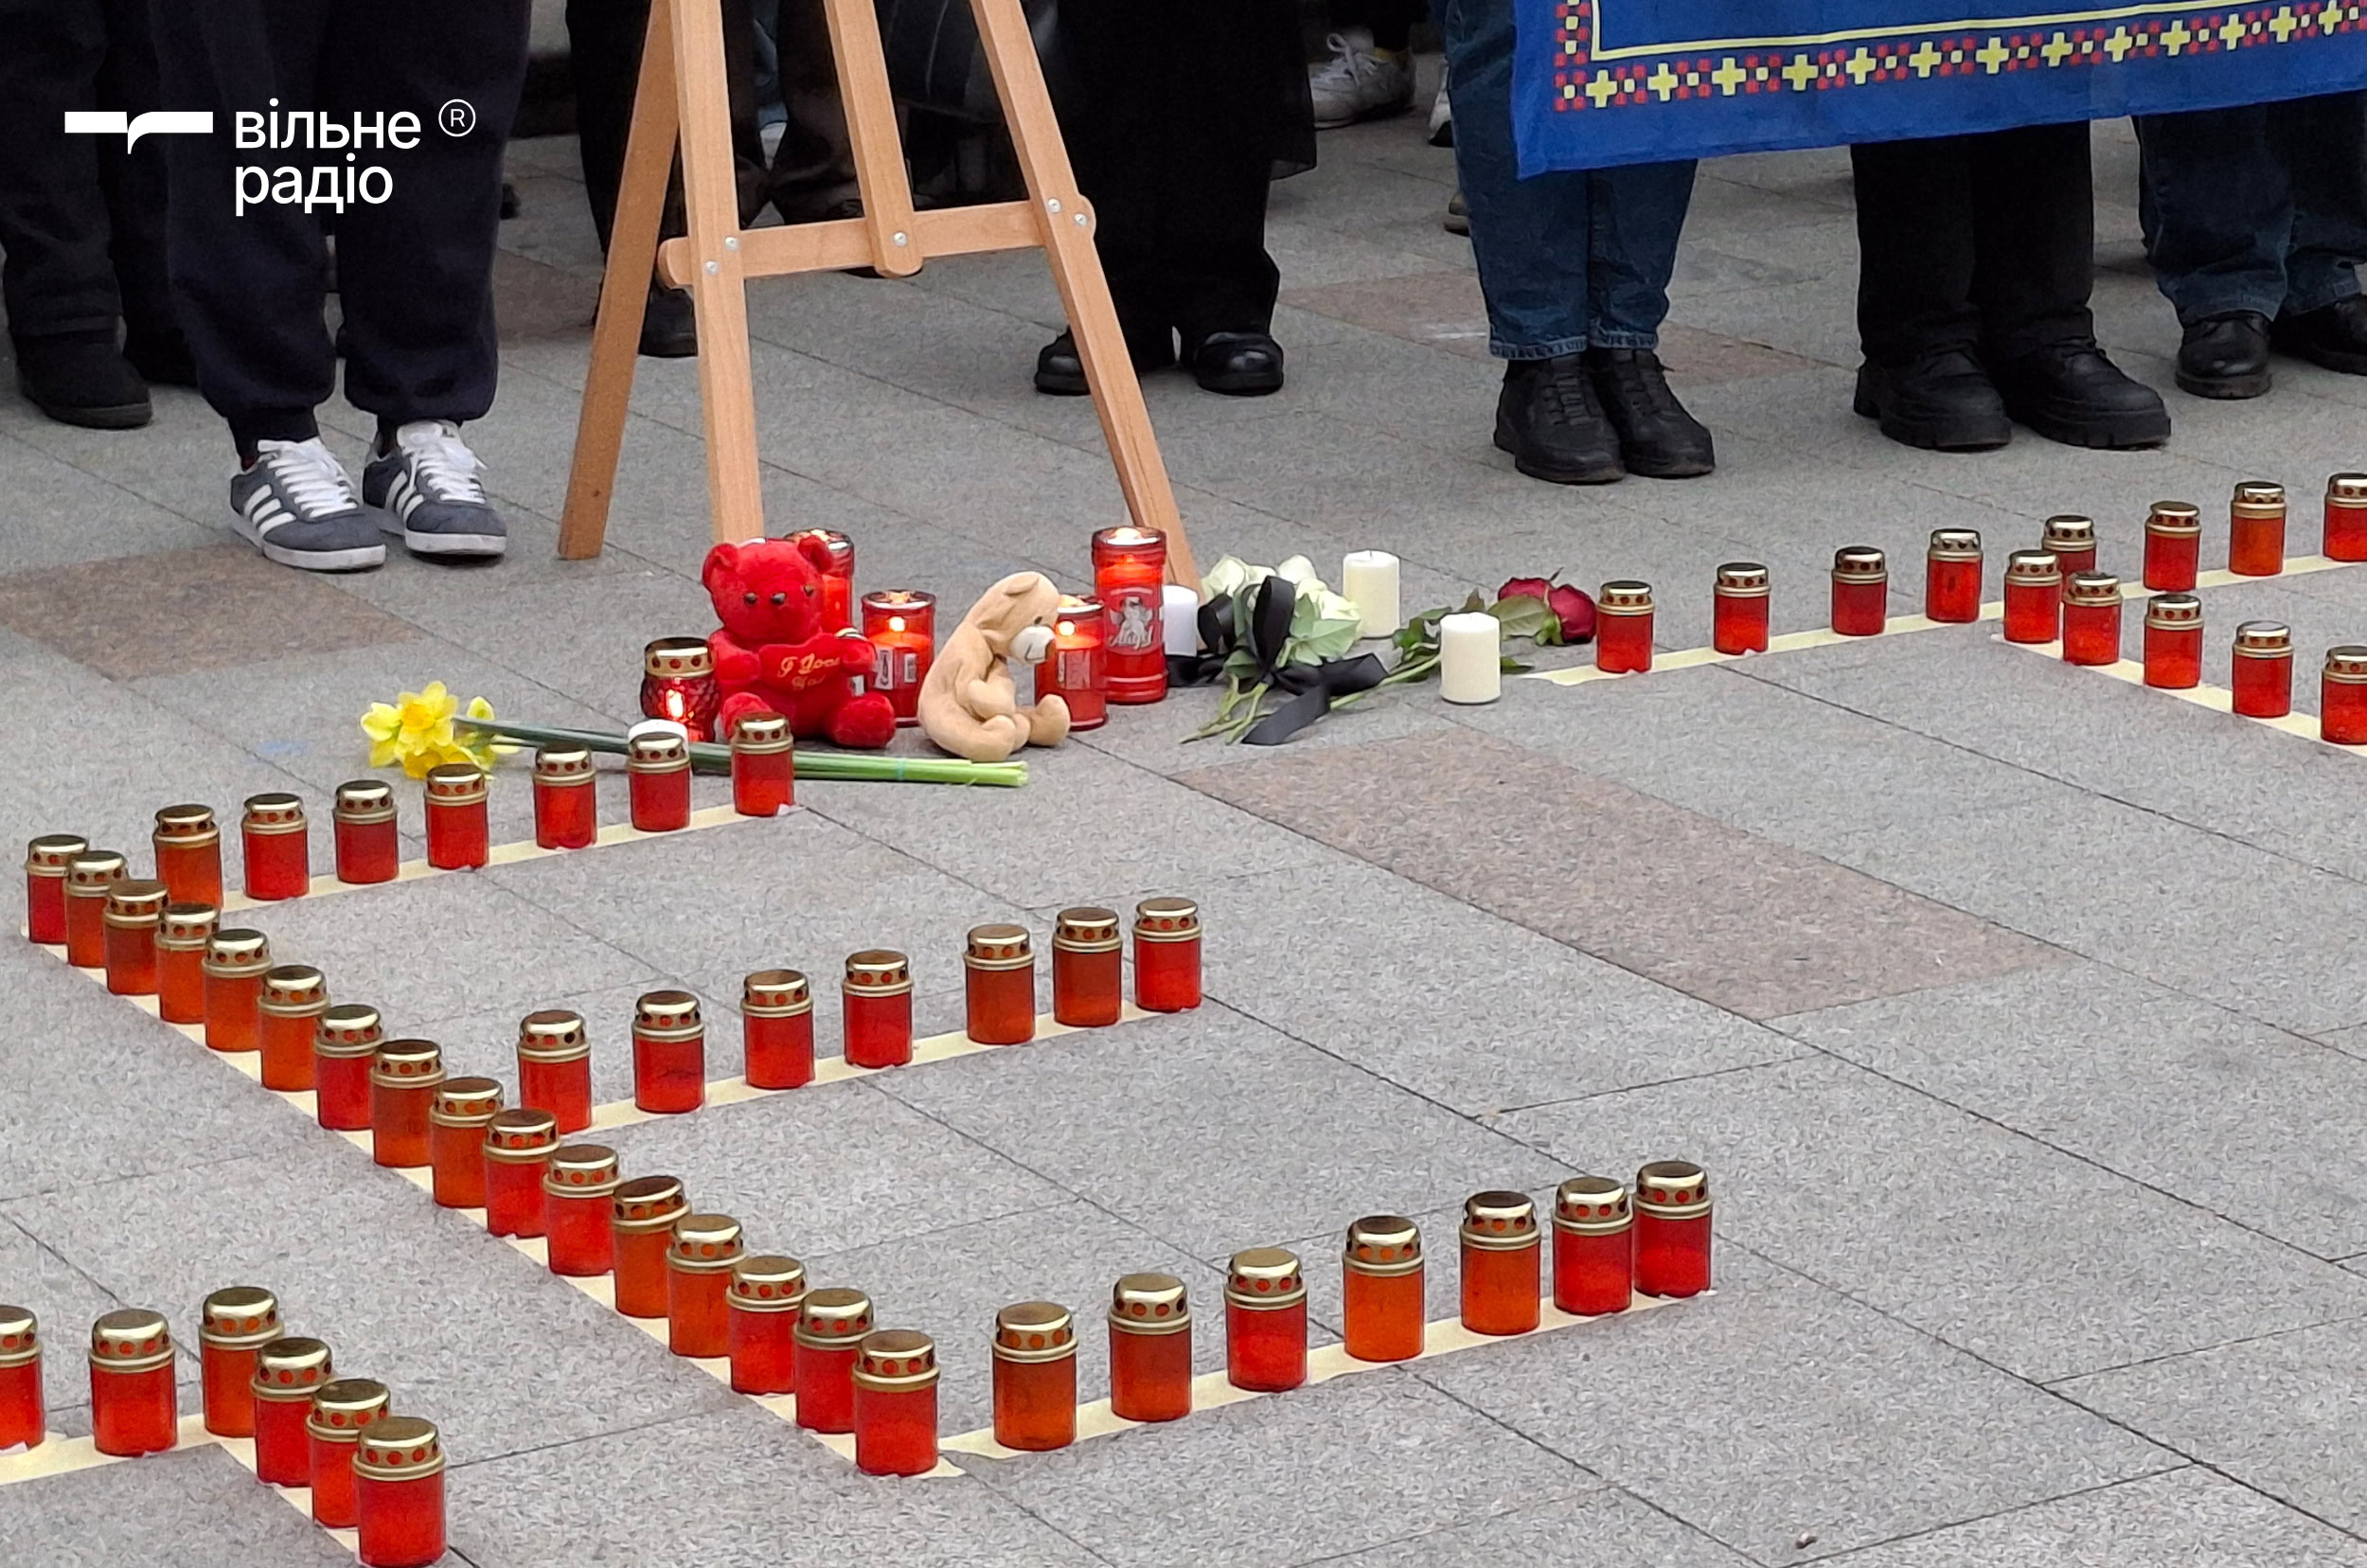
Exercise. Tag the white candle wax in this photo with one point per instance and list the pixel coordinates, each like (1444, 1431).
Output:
(1471, 667)
(1180, 620)
(1368, 580)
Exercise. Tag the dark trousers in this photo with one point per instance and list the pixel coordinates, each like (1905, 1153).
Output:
(1984, 242)
(1390, 22)
(415, 273)
(82, 219)
(2262, 208)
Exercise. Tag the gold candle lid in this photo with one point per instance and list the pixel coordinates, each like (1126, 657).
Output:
(399, 1448)
(775, 993)
(2034, 566)
(1166, 921)
(2174, 519)
(238, 952)
(1149, 1304)
(1087, 928)
(190, 825)
(999, 947)
(1591, 1205)
(275, 813)
(20, 1336)
(649, 1203)
(2347, 664)
(289, 1368)
(667, 1015)
(1624, 598)
(2174, 612)
(705, 1243)
(833, 1317)
(456, 784)
(767, 1282)
(877, 971)
(1742, 580)
(562, 764)
(342, 1408)
(1383, 1244)
(1672, 1189)
(408, 1064)
(238, 1317)
(2263, 639)
(2259, 498)
(464, 1102)
(90, 874)
(133, 901)
(898, 601)
(582, 1171)
(348, 1029)
(523, 1136)
(761, 734)
(1955, 544)
(130, 1339)
(657, 749)
(294, 991)
(187, 925)
(672, 656)
(553, 1034)
(1860, 563)
(51, 853)
(2068, 531)
(1034, 1331)
(2346, 489)
(1499, 1222)
(2093, 588)
(1263, 1278)
(892, 1360)
(365, 800)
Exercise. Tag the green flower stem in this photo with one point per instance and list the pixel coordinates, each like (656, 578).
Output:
(706, 756)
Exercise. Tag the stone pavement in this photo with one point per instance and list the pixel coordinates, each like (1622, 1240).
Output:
(2017, 1012)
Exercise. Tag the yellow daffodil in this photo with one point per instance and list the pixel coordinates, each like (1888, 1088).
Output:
(416, 731)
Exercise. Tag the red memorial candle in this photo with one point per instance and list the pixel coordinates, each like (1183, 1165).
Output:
(896, 1404)
(830, 1324)
(838, 576)
(1622, 628)
(294, 996)
(554, 1066)
(1073, 669)
(1382, 1302)
(133, 913)
(2262, 678)
(47, 859)
(133, 1407)
(1035, 1377)
(2071, 540)
(2345, 537)
(518, 1149)
(776, 1029)
(232, 1325)
(2173, 547)
(678, 685)
(1672, 1229)
(1150, 1348)
(458, 838)
(346, 1039)
(363, 815)
(89, 878)
(766, 1292)
(2033, 598)
(24, 1415)
(876, 1008)
(641, 1225)
(236, 962)
(657, 769)
(2092, 620)
(399, 1494)
(999, 967)
(456, 1119)
(2342, 695)
(182, 937)
(1502, 1258)
(1129, 580)
(189, 853)
(1738, 611)
(1594, 1246)
(403, 1081)
(566, 802)
(275, 840)
(287, 1371)
(578, 1205)
(902, 626)
(699, 1263)
(668, 1053)
(2174, 642)
(1861, 587)
(1167, 955)
(2255, 538)
(764, 765)
(1951, 577)
(1088, 968)
(1265, 1320)
(332, 1430)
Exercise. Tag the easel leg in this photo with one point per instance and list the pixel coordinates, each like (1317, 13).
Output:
(871, 134)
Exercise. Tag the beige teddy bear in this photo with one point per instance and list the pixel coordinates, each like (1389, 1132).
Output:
(969, 704)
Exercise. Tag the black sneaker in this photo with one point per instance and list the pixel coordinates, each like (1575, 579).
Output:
(296, 505)
(2225, 356)
(81, 378)
(426, 488)
(1548, 417)
(2069, 392)
(1657, 439)
(1942, 401)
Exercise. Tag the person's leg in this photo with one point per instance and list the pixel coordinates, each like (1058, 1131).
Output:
(604, 64)
(134, 184)
(1635, 214)
(2220, 218)
(2323, 144)
(813, 168)
(1916, 320)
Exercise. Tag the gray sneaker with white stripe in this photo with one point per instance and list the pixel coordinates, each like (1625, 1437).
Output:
(426, 487)
(296, 505)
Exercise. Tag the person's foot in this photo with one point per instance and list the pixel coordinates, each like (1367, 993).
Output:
(1240, 364)
(1458, 218)
(79, 378)
(1942, 402)
(669, 327)
(1359, 83)
(2332, 335)
(295, 504)
(1060, 373)
(1657, 439)
(2225, 356)
(427, 489)
(1441, 114)
(162, 357)
(2069, 392)
(1549, 418)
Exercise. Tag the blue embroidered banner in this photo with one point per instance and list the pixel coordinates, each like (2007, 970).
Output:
(1598, 83)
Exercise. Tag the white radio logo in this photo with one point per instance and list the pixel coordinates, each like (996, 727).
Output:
(156, 122)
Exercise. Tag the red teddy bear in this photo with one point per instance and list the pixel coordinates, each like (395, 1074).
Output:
(772, 652)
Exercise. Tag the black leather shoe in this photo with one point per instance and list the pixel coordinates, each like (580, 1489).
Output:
(2225, 356)
(1060, 373)
(1657, 437)
(2069, 392)
(1240, 364)
(2332, 335)
(669, 327)
(79, 378)
(1942, 401)
(1550, 420)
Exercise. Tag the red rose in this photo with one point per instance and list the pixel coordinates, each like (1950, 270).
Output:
(1576, 612)
(1536, 588)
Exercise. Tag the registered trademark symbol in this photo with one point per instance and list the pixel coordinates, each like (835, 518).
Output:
(457, 117)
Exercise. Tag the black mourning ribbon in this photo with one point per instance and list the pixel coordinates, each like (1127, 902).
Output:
(1313, 687)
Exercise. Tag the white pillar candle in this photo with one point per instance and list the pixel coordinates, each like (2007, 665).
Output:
(1178, 612)
(1368, 580)
(1471, 667)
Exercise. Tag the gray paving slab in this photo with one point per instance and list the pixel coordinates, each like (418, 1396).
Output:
(1606, 1528)
(61, 512)
(200, 1505)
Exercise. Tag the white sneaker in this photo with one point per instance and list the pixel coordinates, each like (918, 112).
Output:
(295, 504)
(427, 488)
(1355, 83)
(1441, 114)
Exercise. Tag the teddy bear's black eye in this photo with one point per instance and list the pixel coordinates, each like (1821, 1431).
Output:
(780, 599)
(752, 599)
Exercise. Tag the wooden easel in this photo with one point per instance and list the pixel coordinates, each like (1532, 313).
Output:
(682, 99)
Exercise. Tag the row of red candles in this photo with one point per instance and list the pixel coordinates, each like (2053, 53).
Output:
(368, 1469)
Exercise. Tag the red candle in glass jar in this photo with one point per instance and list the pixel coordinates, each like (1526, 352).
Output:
(2071, 540)
(1383, 1304)
(1088, 968)
(2033, 598)
(2345, 537)
(1594, 1247)
(1622, 628)
(837, 569)
(287, 1371)
(776, 1029)
(1672, 1229)
(399, 1494)
(1738, 617)
(332, 1430)
(2092, 620)
(274, 836)
(1150, 1348)
(896, 1404)
(764, 765)
(1862, 579)
(830, 1324)
(1167, 955)
(678, 685)
(458, 838)
(902, 626)
(189, 853)
(876, 1008)
(2255, 538)
(518, 1149)
(346, 1039)
(657, 769)
(1265, 1320)
(456, 1119)
(24, 1415)
(363, 815)
(236, 962)
(294, 996)
(47, 859)
(182, 938)
(131, 917)
(578, 1202)
(2174, 642)
(699, 1263)
(641, 1227)
(1129, 580)
(668, 1053)
(133, 1405)
(566, 804)
(999, 969)
(766, 1293)
(233, 1325)
(89, 878)
(1502, 1260)
(2262, 677)
(1073, 669)
(2173, 547)
(554, 1066)
(2342, 695)
(403, 1081)
(1035, 1377)
(1951, 577)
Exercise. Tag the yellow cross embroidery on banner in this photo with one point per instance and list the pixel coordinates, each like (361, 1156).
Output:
(1602, 87)
(2057, 49)
(1728, 76)
(1992, 55)
(2177, 37)
(2119, 43)
(1923, 59)
(1862, 65)
(1800, 73)
(2283, 23)
(2233, 33)
(1662, 82)
(2331, 17)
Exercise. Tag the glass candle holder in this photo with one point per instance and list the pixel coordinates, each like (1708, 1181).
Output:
(333, 1431)
(518, 1149)
(189, 853)
(657, 770)
(578, 1201)
(236, 961)
(294, 996)
(232, 1325)
(902, 626)
(399, 1494)
(699, 1263)
(668, 1053)
(2033, 598)
(678, 685)
(2345, 536)
(403, 1081)
(364, 823)
(1150, 1348)
(132, 1408)
(275, 839)
(1738, 611)
(999, 984)
(1381, 1290)
(1861, 587)
(1951, 577)
(89, 878)
(1594, 1246)
(1672, 1229)
(896, 1404)
(1166, 955)
(2173, 547)
(182, 937)
(1502, 1264)
(2092, 620)
(131, 920)
(45, 861)
(1073, 669)
(2342, 695)
(1088, 968)
(838, 576)
(764, 765)
(287, 1371)
(2256, 537)
(2071, 540)
(554, 1066)
(1622, 628)
(641, 1227)
(776, 1029)
(1035, 1377)
(2263, 673)
(1129, 580)
(766, 1293)
(830, 1324)
(2174, 642)
(24, 1415)
(456, 1119)
(346, 1039)
(876, 1008)
(459, 837)
(1265, 1320)
(566, 804)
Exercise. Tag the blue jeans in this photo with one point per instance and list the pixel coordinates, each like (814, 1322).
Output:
(1568, 258)
(2258, 208)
